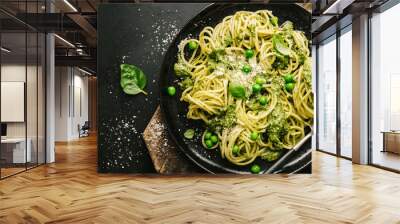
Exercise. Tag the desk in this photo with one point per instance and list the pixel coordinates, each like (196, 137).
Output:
(391, 141)
(16, 147)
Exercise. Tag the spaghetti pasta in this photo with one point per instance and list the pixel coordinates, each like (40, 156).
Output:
(249, 79)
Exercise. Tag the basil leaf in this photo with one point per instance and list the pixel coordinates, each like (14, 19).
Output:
(127, 71)
(189, 134)
(237, 90)
(133, 80)
(133, 89)
(274, 21)
(141, 79)
(125, 82)
(280, 45)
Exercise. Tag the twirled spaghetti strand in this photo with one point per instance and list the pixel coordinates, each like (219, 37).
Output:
(217, 62)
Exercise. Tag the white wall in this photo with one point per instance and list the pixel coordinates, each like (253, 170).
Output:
(80, 111)
(62, 81)
(16, 73)
(71, 94)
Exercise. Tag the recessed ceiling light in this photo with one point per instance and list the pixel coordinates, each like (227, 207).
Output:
(70, 5)
(84, 71)
(5, 50)
(338, 6)
(65, 41)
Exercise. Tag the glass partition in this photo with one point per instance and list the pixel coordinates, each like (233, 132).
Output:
(23, 89)
(13, 94)
(32, 98)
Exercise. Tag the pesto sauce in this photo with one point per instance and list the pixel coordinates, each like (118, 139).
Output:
(226, 120)
(271, 156)
(186, 83)
(277, 126)
(181, 70)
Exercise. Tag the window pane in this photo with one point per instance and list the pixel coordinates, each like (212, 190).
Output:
(385, 84)
(346, 93)
(327, 96)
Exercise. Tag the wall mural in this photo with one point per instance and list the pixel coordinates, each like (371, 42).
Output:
(200, 88)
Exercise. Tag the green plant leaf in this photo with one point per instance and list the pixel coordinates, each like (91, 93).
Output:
(133, 80)
(189, 133)
(133, 90)
(280, 45)
(141, 79)
(125, 82)
(237, 90)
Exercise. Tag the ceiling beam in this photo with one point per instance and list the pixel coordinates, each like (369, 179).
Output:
(86, 27)
(81, 61)
(337, 7)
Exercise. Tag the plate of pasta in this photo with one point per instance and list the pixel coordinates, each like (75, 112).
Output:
(237, 90)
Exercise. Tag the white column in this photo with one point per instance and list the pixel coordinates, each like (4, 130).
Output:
(50, 100)
(50, 92)
(360, 90)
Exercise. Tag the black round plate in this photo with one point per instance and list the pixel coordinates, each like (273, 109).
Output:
(174, 111)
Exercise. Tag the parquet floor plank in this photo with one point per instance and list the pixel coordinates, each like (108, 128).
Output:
(71, 191)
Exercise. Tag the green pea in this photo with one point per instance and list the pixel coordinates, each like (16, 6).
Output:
(289, 87)
(214, 139)
(235, 149)
(207, 135)
(288, 78)
(260, 81)
(249, 53)
(263, 100)
(246, 68)
(209, 143)
(193, 45)
(256, 88)
(254, 136)
(255, 169)
(171, 90)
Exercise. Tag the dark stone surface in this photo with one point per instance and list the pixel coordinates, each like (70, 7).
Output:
(141, 34)
(137, 34)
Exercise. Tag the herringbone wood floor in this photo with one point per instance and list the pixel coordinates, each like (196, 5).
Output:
(71, 191)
